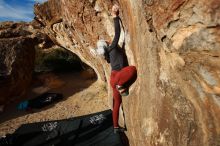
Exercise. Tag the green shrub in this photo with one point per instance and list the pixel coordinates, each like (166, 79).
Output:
(57, 60)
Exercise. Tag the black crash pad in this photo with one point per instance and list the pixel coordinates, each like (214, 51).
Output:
(90, 130)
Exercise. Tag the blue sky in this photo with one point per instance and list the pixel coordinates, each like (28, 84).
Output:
(17, 10)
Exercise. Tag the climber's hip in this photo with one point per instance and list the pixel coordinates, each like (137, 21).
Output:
(124, 77)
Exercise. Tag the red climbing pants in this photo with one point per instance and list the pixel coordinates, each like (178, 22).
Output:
(125, 77)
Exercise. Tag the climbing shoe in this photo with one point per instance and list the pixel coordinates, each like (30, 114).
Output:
(118, 130)
(122, 90)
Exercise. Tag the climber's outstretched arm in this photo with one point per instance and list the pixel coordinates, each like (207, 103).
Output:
(115, 13)
(117, 34)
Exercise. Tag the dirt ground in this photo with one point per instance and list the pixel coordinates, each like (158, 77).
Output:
(82, 96)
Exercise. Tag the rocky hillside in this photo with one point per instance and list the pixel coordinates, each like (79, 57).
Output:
(175, 46)
(17, 57)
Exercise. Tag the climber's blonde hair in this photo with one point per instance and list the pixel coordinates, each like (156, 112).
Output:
(101, 45)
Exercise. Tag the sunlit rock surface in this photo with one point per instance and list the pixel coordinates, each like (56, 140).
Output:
(175, 45)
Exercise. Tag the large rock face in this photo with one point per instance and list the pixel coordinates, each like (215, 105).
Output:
(175, 47)
(17, 55)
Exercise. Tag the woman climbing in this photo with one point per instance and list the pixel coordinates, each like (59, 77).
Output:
(122, 75)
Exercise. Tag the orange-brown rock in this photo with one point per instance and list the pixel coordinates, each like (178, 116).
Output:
(175, 47)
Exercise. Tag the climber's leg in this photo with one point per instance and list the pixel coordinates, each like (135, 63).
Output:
(125, 78)
(116, 99)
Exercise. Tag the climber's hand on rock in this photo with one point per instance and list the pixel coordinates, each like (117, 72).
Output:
(115, 10)
(108, 42)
